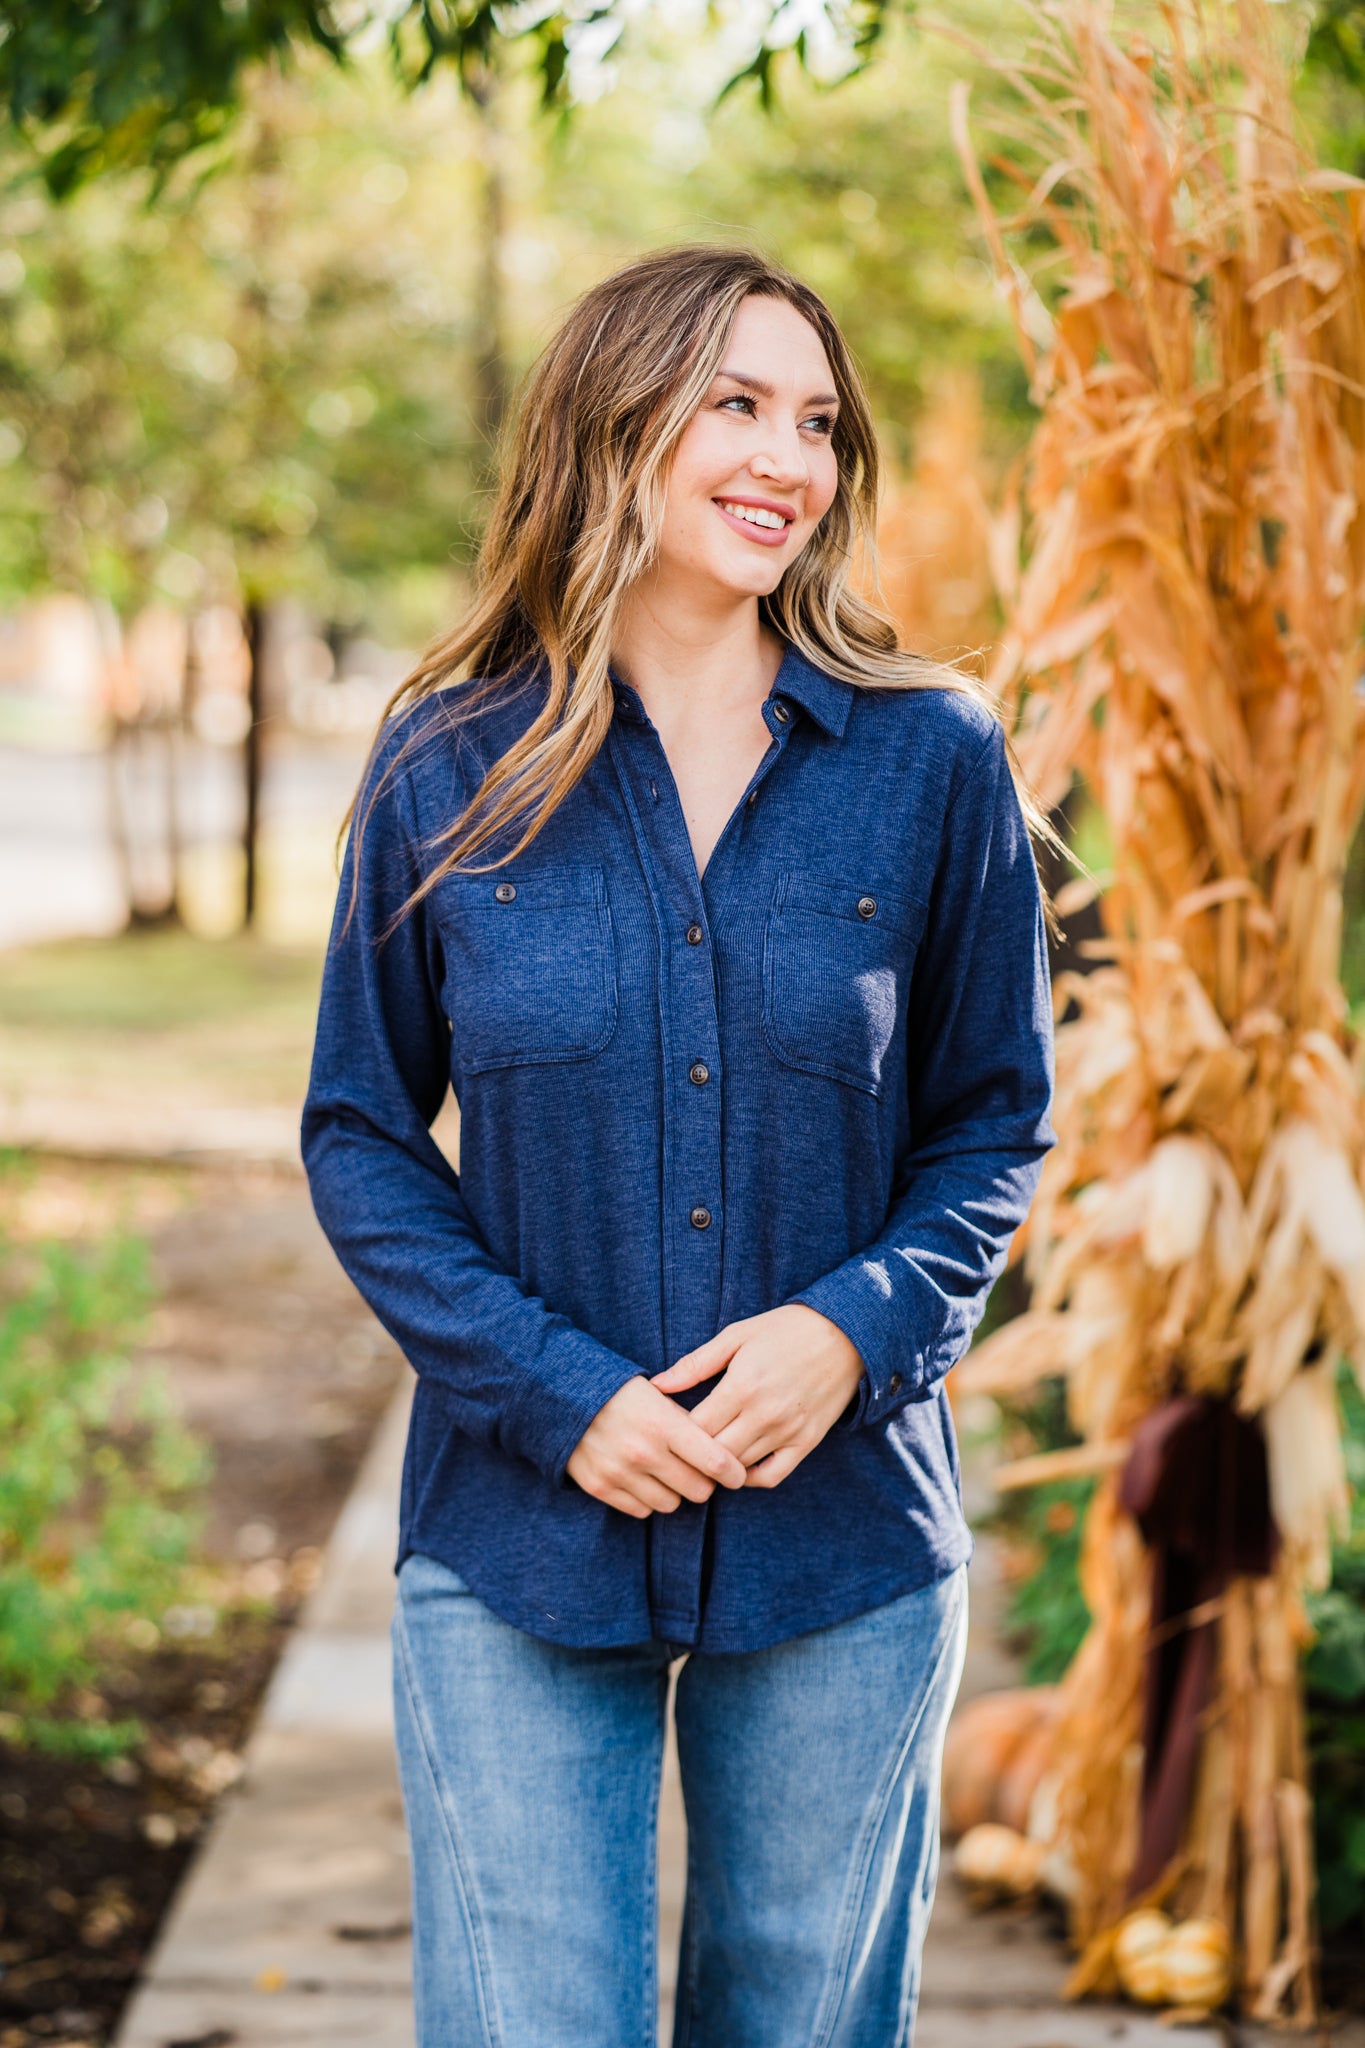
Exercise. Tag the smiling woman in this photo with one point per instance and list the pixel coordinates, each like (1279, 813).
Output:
(719, 913)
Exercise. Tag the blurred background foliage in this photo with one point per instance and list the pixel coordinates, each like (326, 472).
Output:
(274, 368)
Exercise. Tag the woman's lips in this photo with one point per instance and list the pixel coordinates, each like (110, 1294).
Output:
(766, 536)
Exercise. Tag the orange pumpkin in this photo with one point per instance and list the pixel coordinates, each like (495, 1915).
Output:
(985, 1739)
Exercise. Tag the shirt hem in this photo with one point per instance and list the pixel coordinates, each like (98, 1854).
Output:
(729, 1638)
(724, 1638)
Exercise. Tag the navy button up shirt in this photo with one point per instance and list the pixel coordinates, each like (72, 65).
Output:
(820, 1073)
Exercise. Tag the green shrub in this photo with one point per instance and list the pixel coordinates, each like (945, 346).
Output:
(1045, 1616)
(94, 1470)
(1335, 1678)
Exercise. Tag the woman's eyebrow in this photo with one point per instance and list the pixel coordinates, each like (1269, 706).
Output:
(765, 390)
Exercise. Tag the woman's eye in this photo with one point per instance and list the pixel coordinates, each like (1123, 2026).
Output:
(817, 422)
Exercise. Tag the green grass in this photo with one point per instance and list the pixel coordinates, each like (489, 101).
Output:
(151, 982)
(198, 1019)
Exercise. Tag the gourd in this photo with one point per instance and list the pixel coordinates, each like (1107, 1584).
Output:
(998, 1859)
(1187, 1966)
(1139, 1949)
(1196, 1964)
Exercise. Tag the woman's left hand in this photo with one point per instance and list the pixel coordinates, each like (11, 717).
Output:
(788, 1377)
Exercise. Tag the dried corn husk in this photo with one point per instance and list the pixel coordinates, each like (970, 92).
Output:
(1308, 1489)
(1182, 558)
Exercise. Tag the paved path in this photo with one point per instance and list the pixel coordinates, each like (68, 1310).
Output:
(292, 1927)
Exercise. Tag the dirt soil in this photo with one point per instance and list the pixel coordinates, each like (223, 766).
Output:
(282, 1368)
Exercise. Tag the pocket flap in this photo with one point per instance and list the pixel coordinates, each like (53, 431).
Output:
(801, 892)
(550, 888)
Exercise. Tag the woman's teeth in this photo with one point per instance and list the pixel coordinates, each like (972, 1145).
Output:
(755, 514)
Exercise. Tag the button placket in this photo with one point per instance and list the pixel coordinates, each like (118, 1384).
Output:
(691, 1150)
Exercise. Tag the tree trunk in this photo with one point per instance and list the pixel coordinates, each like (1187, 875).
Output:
(490, 367)
(251, 762)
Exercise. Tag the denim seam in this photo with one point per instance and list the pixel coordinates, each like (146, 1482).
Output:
(910, 1990)
(836, 1984)
(649, 2019)
(492, 2026)
(686, 2013)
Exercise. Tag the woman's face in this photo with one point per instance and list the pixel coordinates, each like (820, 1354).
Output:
(755, 469)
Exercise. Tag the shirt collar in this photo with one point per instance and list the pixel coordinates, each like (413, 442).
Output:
(823, 696)
(826, 699)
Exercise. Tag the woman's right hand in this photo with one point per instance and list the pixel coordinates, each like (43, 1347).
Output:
(643, 1454)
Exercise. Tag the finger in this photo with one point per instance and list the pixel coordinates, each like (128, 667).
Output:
(702, 1364)
(684, 1478)
(750, 1439)
(656, 1496)
(720, 1407)
(617, 1497)
(697, 1448)
(772, 1470)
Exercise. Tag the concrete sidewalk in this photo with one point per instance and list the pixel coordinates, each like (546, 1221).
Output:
(293, 1924)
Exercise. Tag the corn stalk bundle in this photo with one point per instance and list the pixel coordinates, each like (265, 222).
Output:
(1184, 631)
(932, 532)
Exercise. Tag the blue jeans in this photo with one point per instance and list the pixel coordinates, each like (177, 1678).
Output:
(530, 1777)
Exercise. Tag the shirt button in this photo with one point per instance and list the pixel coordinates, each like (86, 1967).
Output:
(781, 712)
(700, 1218)
(751, 797)
(699, 1072)
(893, 1385)
(695, 935)
(867, 906)
(506, 892)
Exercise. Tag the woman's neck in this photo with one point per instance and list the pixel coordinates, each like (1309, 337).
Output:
(675, 655)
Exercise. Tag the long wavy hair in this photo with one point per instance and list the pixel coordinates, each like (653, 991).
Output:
(576, 519)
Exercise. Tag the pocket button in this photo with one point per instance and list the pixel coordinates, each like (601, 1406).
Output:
(867, 906)
(506, 892)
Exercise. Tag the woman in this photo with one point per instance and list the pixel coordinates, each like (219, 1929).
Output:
(720, 914)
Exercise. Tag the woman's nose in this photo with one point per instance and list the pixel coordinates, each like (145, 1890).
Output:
(782, 459)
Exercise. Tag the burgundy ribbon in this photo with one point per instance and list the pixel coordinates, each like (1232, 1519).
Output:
(1197, 1485)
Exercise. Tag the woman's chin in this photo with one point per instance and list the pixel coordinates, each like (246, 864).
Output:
(733, 581)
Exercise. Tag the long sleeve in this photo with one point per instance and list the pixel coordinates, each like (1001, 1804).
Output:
(516, 1375)
(980, 1086)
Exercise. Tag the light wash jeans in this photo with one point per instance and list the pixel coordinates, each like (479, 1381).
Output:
(530, 1777)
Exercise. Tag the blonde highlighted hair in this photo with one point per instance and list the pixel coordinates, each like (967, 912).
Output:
(576, 519)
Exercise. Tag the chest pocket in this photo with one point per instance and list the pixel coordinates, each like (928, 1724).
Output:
(530, 965)
(837, 961)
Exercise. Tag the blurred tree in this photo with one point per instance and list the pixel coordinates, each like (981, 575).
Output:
(148, 82)
(280, 379)
(260, 388)
(857, 189)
